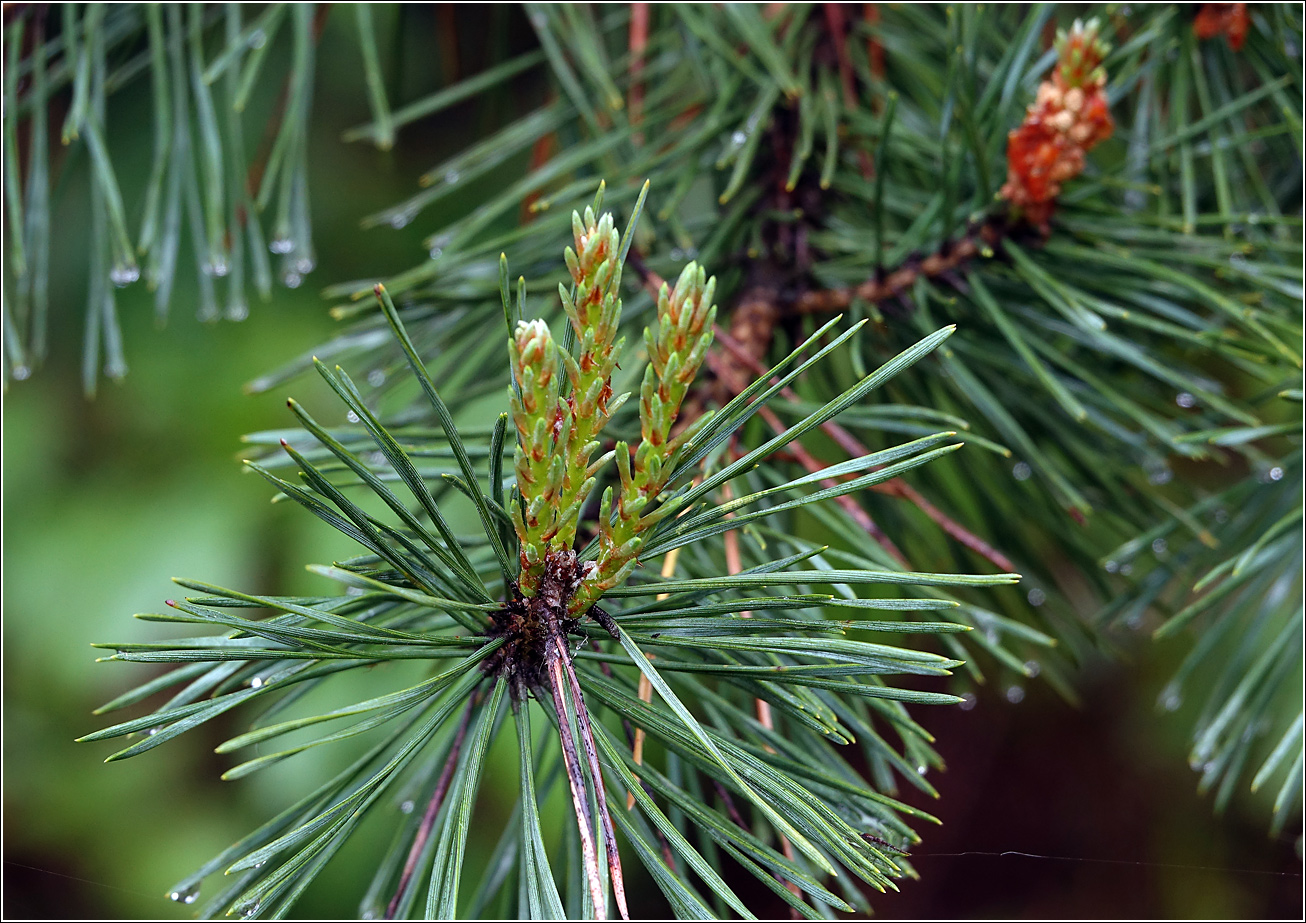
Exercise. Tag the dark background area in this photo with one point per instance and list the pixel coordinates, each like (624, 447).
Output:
(105, 500)
(1100, 792)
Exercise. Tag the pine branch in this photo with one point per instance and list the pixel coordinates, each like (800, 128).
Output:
(428, 593)
(1117, 313)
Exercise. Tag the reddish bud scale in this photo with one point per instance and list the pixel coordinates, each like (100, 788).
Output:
(1069, 116)
(594, 316)
(535, 411)
(1229, 19)
(676, 346)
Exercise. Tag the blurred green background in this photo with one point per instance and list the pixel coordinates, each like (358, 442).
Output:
(105, 500)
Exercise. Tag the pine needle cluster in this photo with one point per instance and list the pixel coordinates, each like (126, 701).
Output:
(1125, 374)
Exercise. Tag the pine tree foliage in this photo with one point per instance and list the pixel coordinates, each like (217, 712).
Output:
(204, 65)
(495, 612)
(827, 163)
(1125, 376)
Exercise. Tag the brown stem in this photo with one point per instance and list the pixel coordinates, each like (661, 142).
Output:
(731, 811)
(576, 780)
(638, 42)
(667, 855)
(874, 48)
(735, 564)
(432, 810)
(900, 488)
(851, 506)
(541, 151)
(899, 282)
(646, 687)
(805, 458)
(896, 487)
(651, 281)
(838, 28)
(600, 796)
(752, 326)
(950, 526)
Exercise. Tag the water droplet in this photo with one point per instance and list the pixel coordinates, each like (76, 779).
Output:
(1161, 474)
(1015, 694)
(968, 701)
(259, 865)
(116, 369)
(1222, 515)
(1111, 567)
(256, 683)
(1032, 668)
(402, 219)
(1135, 621)
(1159, 546)
(351, 417)
(281, 245)
(188, 896)
(152, 732)
(1037, 597)
(291, 279)
(1021, 471)
(1278, 590)
(991, 636)
(1171, 700)
(21, 373)
(368, 914)
(376, 459)
(677, 254)
(258, 38)
(1126, 569)
(124, 274)
(304, 265)
(437, 252)
(353, 591)
(1276, 473)
(218, 267)
(451, 177)
(1184, 399)
(376, 378)
(407, 807)
(738, 139)
(237, 311)
(922, 769)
